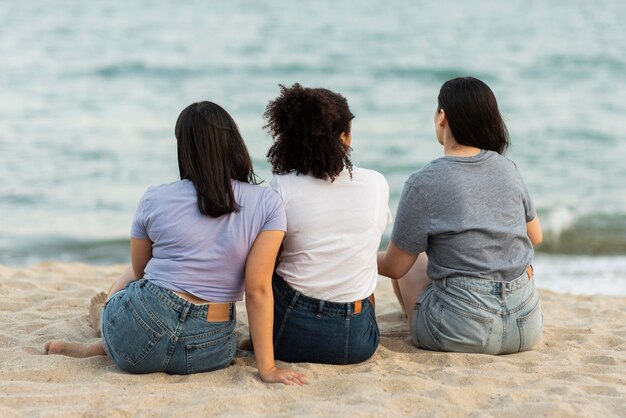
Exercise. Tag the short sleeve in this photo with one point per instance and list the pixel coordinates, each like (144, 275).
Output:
(276, 218)
(411, 227)
(529, 206)
(139, 227)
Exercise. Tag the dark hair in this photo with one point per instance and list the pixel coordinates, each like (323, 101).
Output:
(211, 153)
(306, 125)
(473, 115)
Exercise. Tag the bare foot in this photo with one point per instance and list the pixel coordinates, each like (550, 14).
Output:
(66, 348)
(95, 311)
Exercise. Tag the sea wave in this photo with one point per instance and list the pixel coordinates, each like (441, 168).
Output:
(98, 251)
(589, 235)
(142, 70)
(594, 234)
(424, 73)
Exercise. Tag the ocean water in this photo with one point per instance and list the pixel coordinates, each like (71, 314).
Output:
(90, 92)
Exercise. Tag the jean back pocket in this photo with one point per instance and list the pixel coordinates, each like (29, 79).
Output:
(462, 331)
(129, 336)
(211, 355)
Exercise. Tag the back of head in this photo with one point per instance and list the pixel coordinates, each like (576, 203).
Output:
(211, 153)
(472, 113)
(306, 125)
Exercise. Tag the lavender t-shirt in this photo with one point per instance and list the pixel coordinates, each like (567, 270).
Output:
(196, 253)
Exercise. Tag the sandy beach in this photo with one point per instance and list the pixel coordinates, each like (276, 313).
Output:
(578, 369)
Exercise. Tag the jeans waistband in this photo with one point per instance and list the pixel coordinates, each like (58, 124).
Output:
(487, 286)
(319, 306)
(172, 300)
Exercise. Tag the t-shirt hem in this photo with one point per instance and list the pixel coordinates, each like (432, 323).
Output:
(407, 247)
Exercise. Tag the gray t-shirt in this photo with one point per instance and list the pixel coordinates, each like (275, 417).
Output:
(469, 215)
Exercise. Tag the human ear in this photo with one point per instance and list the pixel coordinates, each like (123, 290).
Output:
(441, 118)
(346, 139)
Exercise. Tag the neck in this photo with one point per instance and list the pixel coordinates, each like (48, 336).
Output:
(461, 151)
(451, 148)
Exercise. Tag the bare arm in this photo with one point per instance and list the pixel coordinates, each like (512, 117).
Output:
(533, 229)
(395, 263)
(140, 254)
(260, 305)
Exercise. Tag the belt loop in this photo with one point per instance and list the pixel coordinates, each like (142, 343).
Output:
(185, 311)
(294, 299)
(320, 308)
(445, 282)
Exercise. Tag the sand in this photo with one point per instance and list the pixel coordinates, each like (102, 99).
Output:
(578, 369)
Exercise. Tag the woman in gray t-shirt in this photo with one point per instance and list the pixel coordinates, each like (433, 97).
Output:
(462, 243)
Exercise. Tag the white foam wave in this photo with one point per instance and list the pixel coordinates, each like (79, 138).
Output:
(581, 275)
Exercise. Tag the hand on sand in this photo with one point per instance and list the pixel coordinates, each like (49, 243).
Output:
(284, 376)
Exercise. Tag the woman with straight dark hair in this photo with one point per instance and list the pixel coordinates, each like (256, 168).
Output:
(195, 245)
(462, 243)
(336, 215)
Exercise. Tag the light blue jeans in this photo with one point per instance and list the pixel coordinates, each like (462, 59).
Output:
(146, 328)
(472, 315)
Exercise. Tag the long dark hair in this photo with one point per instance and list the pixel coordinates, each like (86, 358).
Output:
(211, 153)
(473, 116)
(306, 125)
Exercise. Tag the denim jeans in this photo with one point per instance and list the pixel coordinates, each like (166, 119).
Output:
(472, 315)
(146, 328)
(318, 331)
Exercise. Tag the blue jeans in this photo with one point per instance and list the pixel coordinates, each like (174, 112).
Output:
(146, 328)
(472, 315)
(318, 331)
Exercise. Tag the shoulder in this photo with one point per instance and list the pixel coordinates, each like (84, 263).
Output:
(429, 173)
(370, 179)
(270, 195)
(247, 189)
(505, 164)
(169, 189)
(287, 178)
(287, 184)
(495, 158)
(256, 192)
(369, 173)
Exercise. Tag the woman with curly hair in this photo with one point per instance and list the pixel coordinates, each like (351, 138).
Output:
(336, 215)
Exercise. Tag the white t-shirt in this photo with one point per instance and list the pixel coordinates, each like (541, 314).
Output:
(333, 233)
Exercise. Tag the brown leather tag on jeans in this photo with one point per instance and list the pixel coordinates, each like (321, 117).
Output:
(218, 312)
(357, 307)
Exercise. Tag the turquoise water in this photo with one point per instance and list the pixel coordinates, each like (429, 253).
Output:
(89, 94)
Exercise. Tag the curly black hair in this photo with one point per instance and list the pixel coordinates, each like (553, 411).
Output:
(306, 125)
